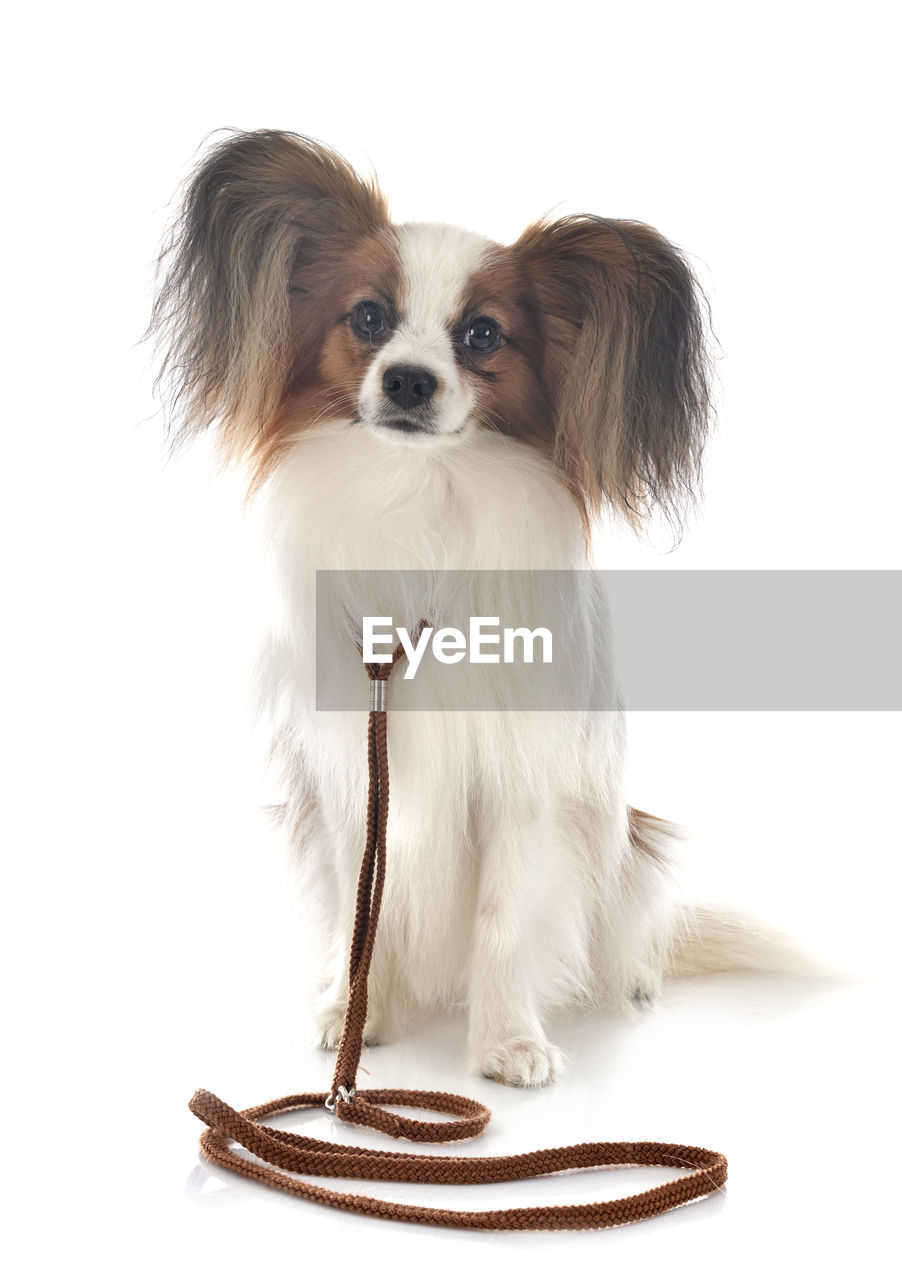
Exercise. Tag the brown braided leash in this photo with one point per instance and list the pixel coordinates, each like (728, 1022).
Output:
(283, 1150)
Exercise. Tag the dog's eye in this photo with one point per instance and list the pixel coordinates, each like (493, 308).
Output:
(368, 319)
(483, 335)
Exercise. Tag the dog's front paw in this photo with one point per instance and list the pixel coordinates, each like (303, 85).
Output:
(329, 1021)
(522, 1061)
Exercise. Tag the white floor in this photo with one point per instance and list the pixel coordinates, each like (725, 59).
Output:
(761, 1069)
(793, 1080)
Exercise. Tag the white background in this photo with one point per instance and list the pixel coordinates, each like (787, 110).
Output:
(152, 942)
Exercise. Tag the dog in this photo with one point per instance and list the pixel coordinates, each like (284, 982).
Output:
(416, 397)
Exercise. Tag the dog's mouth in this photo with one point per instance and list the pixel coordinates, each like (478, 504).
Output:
(407, 426)
(404, 422)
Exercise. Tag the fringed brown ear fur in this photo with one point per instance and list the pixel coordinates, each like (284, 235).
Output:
(625, 361)
(260, 207)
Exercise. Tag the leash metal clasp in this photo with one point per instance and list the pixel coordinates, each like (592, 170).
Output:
(378, 690)
(345, 1094)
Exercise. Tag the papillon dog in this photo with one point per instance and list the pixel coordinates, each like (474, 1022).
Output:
(417, 397)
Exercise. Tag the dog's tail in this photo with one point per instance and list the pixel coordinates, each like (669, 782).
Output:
(716, 940)
(699, 940)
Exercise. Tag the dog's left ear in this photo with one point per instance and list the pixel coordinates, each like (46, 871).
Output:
(625, 361)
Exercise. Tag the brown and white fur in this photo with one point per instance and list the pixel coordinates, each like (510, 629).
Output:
(478, 412)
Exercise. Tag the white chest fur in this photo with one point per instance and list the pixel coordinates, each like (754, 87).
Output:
(507, 831)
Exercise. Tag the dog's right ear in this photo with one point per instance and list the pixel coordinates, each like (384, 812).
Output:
(262, 214)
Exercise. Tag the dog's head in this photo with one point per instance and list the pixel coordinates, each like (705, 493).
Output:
(290, 299)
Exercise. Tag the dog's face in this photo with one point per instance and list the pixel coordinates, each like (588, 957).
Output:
(291, 300)
(430, 334)
(423, 338)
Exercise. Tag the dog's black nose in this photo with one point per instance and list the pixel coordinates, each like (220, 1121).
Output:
(408, 385)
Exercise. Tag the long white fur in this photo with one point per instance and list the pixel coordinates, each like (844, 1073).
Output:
(513, 889)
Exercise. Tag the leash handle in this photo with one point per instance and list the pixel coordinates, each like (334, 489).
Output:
(288, 1154)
